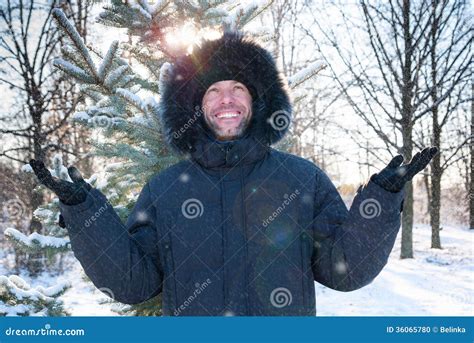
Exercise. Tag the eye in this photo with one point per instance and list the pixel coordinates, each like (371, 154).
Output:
(239, 87)
(212, 90)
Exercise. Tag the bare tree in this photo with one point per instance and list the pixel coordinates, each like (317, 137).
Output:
(447, 76)
(313, 102)
(36, 124)
(386, 45)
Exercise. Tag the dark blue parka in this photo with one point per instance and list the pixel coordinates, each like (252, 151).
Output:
(237, 228)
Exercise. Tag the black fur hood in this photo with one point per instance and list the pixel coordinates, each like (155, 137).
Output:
(231, 57)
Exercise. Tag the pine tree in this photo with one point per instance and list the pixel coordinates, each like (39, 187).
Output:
(18, 298)
(122, 87)
(42, 103)
(123, 103)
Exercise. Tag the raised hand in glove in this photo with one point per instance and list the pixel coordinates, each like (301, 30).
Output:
(70, 193)
(394, 176)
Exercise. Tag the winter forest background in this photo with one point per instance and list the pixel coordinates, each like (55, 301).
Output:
(80, 82)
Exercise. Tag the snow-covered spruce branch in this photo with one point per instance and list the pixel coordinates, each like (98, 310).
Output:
(74, 71)
(77, 40)
(115, 76)
(36, 242)
(22, 290)
(108, 76)
(18, 298)
(143, 9)
(107, 61)
(242, 14)
(133, 99)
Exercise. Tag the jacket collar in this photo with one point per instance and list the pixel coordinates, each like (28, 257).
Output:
(210, 153)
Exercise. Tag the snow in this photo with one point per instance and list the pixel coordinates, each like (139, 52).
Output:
(107, 61)
(55, 289)
(74, 70)
(43, 213)
(150, 102)
(35, 238)
(305, 73)
(434, 283)
(13, 310)
(145, 14)
(75, 38)
(243, 8)
(140, 120)
(27, 168)
(110, 167)
(18, 281)
(165, 72)
(22, 290)
(132, 98)
(82, 299)
(115, 76)
(81, 116)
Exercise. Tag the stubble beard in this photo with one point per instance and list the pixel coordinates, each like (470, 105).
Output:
(229, 134)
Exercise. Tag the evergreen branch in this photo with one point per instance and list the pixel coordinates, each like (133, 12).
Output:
(74, 71)
(107, 61)
(72, 33)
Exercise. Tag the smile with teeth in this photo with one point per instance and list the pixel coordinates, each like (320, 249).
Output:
(227, 115)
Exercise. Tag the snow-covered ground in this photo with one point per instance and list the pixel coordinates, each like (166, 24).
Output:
(82, 299)
(434, 283)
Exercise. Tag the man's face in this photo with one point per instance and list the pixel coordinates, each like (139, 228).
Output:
(227, 109)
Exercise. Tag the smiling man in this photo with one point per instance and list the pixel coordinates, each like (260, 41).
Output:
(227, 109)
(237, 227)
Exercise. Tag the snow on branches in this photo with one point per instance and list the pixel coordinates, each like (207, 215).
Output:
(18, 298)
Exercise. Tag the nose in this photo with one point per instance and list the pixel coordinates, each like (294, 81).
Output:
(226, 97)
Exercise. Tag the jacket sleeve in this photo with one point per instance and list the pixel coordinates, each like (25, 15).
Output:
(121, 260)
(351, 247)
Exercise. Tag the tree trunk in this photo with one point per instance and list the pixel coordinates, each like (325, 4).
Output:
(471, 182)
(34, 262)
(406, 250)
(435, 206)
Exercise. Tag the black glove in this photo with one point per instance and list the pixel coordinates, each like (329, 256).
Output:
(70, 193)
(394, 176)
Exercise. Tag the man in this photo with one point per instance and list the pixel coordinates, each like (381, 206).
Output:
(238, 228)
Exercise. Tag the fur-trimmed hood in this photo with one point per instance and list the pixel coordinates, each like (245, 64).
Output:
(231, 57)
